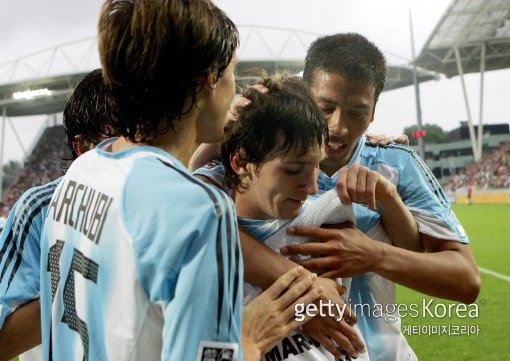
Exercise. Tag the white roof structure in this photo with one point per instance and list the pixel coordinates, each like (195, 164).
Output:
(469, 25)
(472, 36)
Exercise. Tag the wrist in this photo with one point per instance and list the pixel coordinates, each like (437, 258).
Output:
(386, 193)
(380, 257)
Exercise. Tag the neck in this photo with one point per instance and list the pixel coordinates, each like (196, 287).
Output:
(180, 143)
(245, 208)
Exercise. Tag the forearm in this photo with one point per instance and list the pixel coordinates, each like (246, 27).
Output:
(205, 153)
(398, 222)
(262, 265)
(449, 273)
(21, 331)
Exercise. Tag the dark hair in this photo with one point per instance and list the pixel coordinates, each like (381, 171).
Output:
(87, 112)
(285, 118)
(156, 56)
(350, 55)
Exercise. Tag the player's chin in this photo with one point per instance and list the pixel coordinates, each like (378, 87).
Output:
(291, 210)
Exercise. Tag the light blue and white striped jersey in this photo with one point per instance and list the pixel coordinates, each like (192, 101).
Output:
(139, 261)
(419, 189)
(317, 210)
(20, 251)
(421, 192)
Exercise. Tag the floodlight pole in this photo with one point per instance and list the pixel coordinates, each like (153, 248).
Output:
(480, 119)
(421, 140)
(466, 101)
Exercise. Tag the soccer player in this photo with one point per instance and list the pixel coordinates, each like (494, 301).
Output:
(86, 122)
(139, 259)
(271, 155)
(346, 74)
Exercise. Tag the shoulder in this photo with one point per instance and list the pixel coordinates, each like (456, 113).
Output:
(395, 155)
(215, 172)
(35, 199)
(162, 188)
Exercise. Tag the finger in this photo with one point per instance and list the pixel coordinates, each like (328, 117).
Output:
(321, 263)
(330, 346)
(343, 342)
(261, 88)
(289, 314)
(312, 249)
(284, 281)
(233, 111)
(314, 232)
(343, 225)
(361, 185)
(403, 139)
(341, 187)
(347, 331)
(296, 290)
(370, 189)
(373, 139)
(352, 179)
(349, 316)
(385, 141)
(333, 273)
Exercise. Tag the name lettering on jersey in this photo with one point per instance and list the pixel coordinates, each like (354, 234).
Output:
(82, 208)
(294, 345)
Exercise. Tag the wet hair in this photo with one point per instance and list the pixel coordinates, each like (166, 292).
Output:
(351, 55)
(156, 56)
(87, 112)
(282, 120)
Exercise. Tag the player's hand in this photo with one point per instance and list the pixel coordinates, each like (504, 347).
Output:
(270, 316)
(383, 139)
(335, 331)
(343, 251)
(233, 111)
(360, 184)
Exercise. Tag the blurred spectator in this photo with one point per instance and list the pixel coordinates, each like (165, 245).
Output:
(47, 162)
(492, 171)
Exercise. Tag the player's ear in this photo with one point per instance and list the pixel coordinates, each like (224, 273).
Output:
(211, 82)
(238, 162)
(78, 145)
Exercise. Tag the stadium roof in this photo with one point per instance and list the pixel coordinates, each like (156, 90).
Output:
(61, 87)
(469, 25)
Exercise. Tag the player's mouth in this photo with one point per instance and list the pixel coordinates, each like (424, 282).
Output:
(335, 148)
(298, 202)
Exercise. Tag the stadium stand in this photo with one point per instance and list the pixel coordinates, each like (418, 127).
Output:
(47, 161)
(492, 171)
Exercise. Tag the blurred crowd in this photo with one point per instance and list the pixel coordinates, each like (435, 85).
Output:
(492, 171)
(51, 157)
(47, 162)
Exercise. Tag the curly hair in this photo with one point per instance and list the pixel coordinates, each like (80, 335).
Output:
(282, 120)
(156, 55)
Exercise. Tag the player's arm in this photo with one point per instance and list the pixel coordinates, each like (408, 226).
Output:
(262, 265)
(21, 330)
(360, 184)
(204, 153)
(349, 252)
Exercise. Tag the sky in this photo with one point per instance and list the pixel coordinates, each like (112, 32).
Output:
(28, 26)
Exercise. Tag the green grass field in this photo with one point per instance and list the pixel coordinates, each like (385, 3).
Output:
(488, 227)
